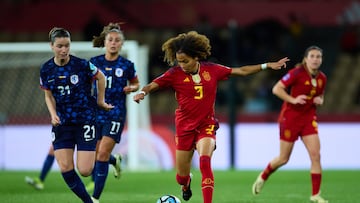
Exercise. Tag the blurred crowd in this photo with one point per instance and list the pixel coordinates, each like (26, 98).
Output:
(233, 43)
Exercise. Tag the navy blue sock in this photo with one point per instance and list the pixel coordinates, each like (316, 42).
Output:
(112, 160)
(93, 174)
(76, 185)
(46, 167)
(101, 172)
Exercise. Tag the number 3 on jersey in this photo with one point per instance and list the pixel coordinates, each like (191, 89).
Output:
(199, 91)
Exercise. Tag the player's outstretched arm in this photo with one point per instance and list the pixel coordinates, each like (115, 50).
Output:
(251, 69)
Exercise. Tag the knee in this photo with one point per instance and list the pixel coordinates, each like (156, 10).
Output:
(283, 160)
(102, 156)
(314, 155)
(65, 166)
(85, 172)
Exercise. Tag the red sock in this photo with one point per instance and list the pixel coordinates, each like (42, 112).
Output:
(182, 180)
(207, 182)
(315, 181)
(267, 172)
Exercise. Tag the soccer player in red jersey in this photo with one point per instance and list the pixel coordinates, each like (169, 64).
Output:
(298, 118)
(195, 83)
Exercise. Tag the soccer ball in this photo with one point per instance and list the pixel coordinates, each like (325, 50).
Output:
(168, 199)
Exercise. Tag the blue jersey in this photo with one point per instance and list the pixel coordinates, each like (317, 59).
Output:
(71, 87)
(117, 74)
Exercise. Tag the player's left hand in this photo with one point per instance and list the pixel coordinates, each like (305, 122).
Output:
(318, 101)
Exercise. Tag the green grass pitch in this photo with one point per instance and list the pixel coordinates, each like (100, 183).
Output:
(339, 186)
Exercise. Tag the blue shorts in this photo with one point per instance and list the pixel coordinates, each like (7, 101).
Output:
(83, 136)
(111, 129)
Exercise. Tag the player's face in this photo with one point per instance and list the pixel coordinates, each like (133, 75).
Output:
(113, 42)
(61, 48)
(313, 59)
(187, 63)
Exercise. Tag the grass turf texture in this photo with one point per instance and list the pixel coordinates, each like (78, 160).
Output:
(145, 187)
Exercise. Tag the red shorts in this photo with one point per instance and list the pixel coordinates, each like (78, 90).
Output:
(292, 129)
(186, 139)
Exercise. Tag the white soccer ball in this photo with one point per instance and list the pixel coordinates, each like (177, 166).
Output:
(168, 199)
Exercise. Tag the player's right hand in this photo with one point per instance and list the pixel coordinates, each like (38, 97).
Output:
(55, 121)
(105, 106)
(300, 99)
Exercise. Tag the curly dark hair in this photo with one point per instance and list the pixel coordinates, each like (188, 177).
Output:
(191, 43)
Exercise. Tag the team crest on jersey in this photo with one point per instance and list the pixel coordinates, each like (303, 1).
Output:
(206, 76)
(320, 82)
(74, 79)
(119, 72)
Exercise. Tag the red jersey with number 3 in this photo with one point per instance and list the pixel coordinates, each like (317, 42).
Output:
(299, 81)
(196, 99)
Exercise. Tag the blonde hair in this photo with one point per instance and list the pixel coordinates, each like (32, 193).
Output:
(98, 41)
(191, 43)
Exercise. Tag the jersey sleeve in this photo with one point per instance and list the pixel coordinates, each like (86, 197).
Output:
(94, 70)
(288, 78)
(132, 70)
(43, 80)
(165, 79)
(222, 71)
